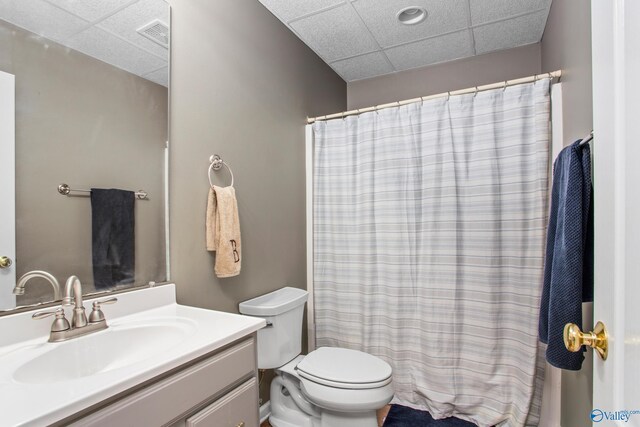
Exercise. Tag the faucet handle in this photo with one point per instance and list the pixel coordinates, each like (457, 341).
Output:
(96, 314)
(59, 324)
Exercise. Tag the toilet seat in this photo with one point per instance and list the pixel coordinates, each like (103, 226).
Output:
(345, 369)
(344, 385)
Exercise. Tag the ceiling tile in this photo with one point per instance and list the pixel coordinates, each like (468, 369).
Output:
(510, 33)
(363, 67)
(90, 9)
(494, 10)
(108, 48)
(287, 10)
(40, 18)
(335, 34)
(380, 18)
(160, 76)
(127, 21)
(431, 51)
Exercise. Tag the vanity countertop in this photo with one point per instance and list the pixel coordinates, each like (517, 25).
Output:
(180, 333)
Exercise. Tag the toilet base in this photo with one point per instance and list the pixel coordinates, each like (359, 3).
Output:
(285, 412)
(355, 419)
(327, 420)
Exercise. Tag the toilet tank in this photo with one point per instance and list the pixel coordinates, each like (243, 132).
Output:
(281, 340)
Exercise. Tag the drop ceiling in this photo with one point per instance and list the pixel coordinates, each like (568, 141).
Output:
(360, 39)
(103, 29)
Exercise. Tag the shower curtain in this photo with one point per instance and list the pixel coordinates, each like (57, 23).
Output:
(429, 233)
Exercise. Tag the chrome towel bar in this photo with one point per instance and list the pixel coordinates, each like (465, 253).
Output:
(65, 190)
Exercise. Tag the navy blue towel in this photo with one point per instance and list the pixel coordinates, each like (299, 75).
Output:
(568, 270)
(113, 237)
(402, 416)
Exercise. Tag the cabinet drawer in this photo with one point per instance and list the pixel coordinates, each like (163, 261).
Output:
(235, 409)
(171, 397)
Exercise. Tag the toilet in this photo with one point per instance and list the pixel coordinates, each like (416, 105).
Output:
(329, 387)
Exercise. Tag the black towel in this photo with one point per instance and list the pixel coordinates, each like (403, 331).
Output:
(113, 237)
(568, 270)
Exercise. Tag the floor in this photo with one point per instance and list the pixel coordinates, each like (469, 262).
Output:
(382, 413)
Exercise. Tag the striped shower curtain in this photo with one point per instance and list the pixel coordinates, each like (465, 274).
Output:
(429, 233)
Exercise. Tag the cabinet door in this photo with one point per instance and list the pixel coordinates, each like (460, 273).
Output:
(238, 408)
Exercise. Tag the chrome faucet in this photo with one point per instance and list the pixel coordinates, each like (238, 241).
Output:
(61, 330)
(73, 289)
(22, 282)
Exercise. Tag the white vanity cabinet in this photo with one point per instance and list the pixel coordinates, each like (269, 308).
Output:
(217, 390)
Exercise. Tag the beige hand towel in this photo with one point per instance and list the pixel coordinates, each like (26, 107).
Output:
(223, 231)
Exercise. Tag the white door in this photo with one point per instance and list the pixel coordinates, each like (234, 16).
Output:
(7, 191)
(616, 102)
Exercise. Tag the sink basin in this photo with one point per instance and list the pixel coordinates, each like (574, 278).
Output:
(117, 347)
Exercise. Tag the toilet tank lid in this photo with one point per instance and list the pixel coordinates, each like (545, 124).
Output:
(274, 303)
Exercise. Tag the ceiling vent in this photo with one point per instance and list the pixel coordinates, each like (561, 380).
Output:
(156, 31)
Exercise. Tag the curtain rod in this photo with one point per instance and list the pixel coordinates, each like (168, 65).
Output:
(551, 75)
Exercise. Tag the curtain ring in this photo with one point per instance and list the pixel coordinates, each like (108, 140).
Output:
(535, 79)
(377, 110)
(504, 86)
(448, 95)
(476, 92)
(422, 101)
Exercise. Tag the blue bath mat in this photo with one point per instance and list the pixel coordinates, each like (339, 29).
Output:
(402, 416)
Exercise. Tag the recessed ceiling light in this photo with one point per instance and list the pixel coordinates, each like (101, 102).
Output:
(412, 15)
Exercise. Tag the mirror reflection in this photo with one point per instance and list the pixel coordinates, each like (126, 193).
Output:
(90, 111)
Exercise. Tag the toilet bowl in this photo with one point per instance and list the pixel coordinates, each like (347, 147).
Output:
(329, 387)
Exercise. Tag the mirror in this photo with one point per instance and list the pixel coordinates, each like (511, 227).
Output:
(91, 111)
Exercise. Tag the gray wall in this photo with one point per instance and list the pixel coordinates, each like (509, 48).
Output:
(242, 90)
(475, 71)
(566, 45)
(86, 123)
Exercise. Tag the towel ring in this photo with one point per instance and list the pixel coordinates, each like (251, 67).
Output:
(216, 163)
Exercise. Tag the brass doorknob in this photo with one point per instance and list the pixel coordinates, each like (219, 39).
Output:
(598, 339)
(5, 262)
